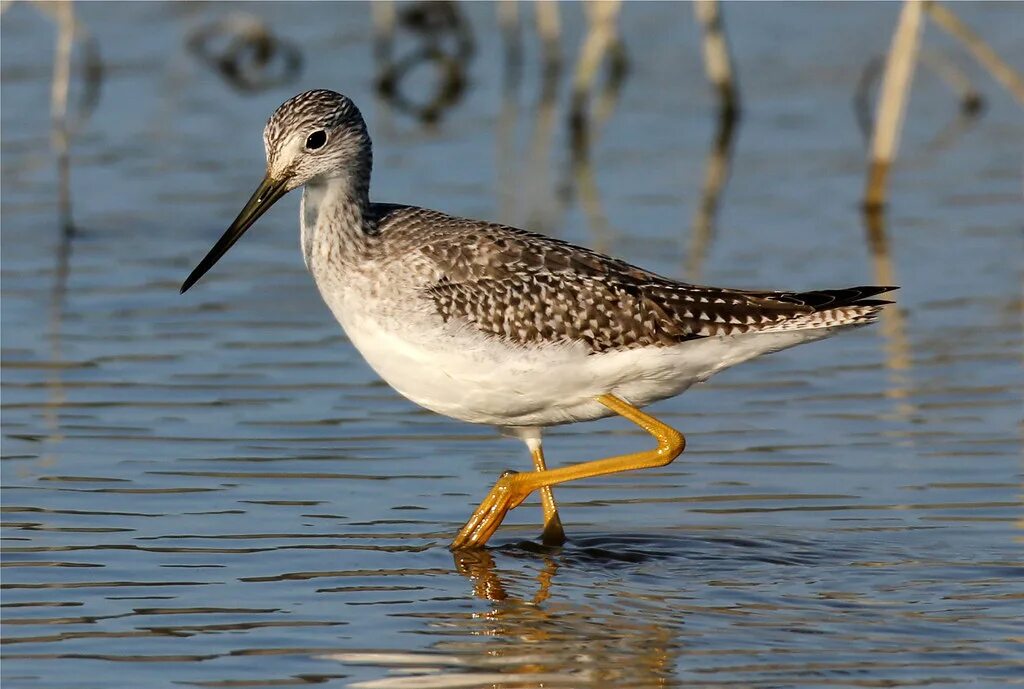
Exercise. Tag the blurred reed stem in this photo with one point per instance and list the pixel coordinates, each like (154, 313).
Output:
(899, 74)
(549, 26)
(717, 61)
(64, 15)
(383, 13)
(719, 70)
(602, 39)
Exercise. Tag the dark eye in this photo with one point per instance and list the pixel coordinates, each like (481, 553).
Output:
(316, 140)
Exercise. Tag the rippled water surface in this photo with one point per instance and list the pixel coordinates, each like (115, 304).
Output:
(214, 490)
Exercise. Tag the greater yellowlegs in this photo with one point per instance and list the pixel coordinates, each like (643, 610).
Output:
(495, 325)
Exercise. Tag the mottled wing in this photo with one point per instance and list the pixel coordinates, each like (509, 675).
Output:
(530, 289)
(537, 308)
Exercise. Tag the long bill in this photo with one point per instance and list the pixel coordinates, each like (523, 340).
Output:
(266, 194)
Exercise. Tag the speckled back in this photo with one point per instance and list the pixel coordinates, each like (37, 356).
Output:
(530, 289)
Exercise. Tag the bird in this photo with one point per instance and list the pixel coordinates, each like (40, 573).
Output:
(490, 324)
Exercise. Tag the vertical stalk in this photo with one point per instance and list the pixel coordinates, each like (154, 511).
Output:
(64, 14)
(899, 73)
(717, 62)
(549, 26)
(602, 33)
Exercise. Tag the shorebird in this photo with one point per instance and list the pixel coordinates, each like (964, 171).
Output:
(495, 325)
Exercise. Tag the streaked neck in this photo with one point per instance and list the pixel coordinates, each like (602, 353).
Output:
(336, 225)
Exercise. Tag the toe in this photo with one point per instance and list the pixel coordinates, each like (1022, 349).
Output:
(489, 515)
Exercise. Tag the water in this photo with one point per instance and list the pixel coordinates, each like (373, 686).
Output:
(214, 490)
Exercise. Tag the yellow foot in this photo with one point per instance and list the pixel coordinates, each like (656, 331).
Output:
(506, 495)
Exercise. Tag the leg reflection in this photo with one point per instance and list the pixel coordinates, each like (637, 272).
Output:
(539, 639)
(478, 566)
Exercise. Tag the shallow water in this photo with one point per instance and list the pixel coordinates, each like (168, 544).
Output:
(214, 490)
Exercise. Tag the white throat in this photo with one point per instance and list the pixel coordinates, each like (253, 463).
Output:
(313, 197)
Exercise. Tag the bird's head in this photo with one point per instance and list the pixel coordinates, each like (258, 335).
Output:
(315, 136)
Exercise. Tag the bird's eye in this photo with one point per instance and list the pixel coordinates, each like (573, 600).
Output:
(316, 140)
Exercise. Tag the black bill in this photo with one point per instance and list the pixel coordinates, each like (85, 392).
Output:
(266, 194)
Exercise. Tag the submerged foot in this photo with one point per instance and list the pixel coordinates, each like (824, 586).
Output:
(504, 496)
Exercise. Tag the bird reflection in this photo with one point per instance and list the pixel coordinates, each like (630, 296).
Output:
(558, 638)
(478, 566)
(543, 637)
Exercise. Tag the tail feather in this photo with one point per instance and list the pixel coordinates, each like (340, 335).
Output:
(832, 308)
(823, 299)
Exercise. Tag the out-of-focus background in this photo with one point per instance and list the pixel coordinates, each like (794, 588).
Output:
(214, 490)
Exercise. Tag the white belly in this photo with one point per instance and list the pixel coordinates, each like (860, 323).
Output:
(463, 374)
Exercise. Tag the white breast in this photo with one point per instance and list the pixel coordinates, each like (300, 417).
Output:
(461, 373)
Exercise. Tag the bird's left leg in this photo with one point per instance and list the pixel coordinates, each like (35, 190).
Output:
(512, 487)
(553, 533)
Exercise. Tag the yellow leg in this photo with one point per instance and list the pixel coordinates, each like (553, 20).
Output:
(512, 488)
(553, 533)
